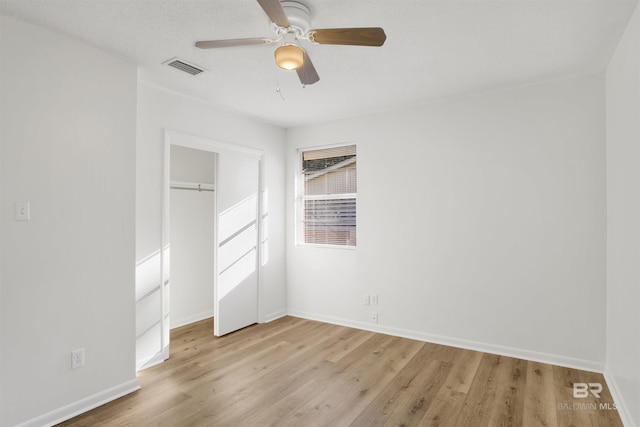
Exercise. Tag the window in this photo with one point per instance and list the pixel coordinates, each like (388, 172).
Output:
(327, 196)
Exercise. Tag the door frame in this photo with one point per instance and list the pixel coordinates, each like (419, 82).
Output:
(188, 140)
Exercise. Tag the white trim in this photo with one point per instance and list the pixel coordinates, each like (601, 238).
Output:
(325, 246)
(341, 196)
(81, 406)
(259, 231)
(274, 316)
(553, 359)
(190, 140)
(216, 246)
(165, 258)
(327, 146)
(298, 194)
(621, 405)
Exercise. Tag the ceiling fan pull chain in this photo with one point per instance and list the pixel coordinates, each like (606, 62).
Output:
(278, 90)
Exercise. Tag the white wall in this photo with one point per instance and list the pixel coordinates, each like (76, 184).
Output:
(193, 237)
(1, 217)
(623, 223)
(68, 147)
(159, 110)
(481, 223)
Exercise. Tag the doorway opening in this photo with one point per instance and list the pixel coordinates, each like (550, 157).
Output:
(192, 215)
(227, 223)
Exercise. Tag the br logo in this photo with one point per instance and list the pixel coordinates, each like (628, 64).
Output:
(582, 390)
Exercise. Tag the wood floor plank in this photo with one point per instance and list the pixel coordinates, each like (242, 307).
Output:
(508, 406)
(465, 366)
(476, 408)
(447, 404)
(382, 355)
(420, 381)
(540, 405)
(297, 372)
(299, 381)
(245, 395)
(347, 344)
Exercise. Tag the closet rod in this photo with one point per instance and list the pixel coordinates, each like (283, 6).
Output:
(191, 186)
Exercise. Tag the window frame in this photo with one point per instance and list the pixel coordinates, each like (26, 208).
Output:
(300, 198)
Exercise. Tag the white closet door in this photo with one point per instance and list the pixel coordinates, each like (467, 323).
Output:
(236, 292)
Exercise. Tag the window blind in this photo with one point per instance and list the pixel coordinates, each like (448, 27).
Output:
(329, 196)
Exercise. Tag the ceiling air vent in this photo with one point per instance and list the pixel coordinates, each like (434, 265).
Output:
(184, 66)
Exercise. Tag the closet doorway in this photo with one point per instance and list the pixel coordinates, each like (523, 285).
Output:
(212, 214)
(211, 258)
(192, 225)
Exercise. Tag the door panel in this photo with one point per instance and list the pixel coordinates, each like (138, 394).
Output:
(237, 284)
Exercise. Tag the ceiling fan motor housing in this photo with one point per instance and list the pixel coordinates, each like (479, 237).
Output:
(299, 16)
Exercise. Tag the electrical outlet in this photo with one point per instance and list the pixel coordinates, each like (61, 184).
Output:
(77, 358)
(366, 300)
(23, 211)
(374, 317)
(374, 299)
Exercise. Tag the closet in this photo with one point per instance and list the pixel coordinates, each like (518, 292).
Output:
(192, 234)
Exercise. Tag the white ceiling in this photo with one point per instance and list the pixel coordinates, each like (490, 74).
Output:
(434, 48)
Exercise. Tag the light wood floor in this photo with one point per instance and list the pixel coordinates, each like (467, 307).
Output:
(296, 372)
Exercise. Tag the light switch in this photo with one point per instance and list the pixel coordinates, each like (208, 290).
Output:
(22, 211)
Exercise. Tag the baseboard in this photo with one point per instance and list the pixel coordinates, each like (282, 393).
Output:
(206, 315)
(81, 406)
(275, 315)
(157, 359)
(553, 359)
(621, 405)
(176, 323)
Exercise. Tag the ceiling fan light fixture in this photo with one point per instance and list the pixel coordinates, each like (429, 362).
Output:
(289, 56)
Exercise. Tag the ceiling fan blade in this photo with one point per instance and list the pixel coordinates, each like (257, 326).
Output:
(275, 12)
(373, 36)
(212, 44)
(307, 73)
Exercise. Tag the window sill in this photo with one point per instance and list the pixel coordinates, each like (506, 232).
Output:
(317, 245)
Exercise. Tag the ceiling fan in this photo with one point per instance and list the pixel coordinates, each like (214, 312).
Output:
(291, 21)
